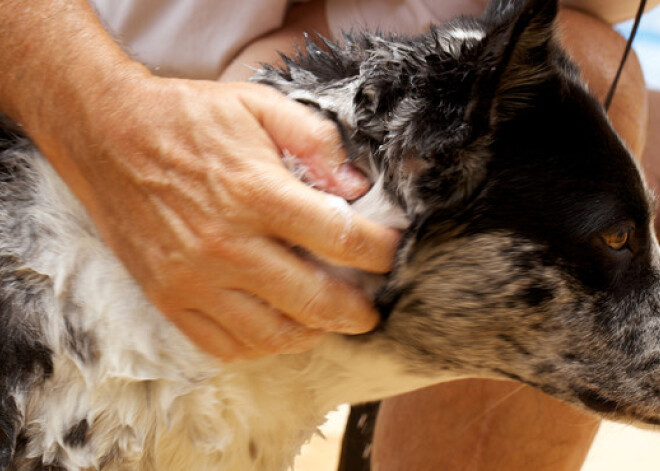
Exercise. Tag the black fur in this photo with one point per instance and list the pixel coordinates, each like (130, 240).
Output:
(511, 178)
(498, 139)
(77, 434)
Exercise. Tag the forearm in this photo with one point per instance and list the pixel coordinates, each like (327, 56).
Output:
(63, 75)
(304, 17)
(58, 61)
(183, 180)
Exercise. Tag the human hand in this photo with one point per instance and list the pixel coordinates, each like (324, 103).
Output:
(184, 182)
(186, 185)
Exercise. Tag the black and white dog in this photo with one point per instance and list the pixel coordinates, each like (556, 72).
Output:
(529, 254)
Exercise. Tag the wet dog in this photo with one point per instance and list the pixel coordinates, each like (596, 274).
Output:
(528, 254)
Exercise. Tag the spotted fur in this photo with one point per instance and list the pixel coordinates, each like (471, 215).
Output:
(504, 174)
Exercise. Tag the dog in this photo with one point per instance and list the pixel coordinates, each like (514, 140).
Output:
(527, 253)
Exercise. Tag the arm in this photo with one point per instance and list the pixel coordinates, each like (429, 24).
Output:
(610, 11)
(184, 182)
(302, 17)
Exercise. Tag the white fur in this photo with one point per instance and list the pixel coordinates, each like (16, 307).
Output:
(377, 206)
(153, 399)
(465, 34)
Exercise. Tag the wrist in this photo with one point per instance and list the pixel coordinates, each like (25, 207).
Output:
(68, 107)
(58, 61)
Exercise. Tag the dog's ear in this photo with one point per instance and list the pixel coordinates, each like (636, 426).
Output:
(517, 59)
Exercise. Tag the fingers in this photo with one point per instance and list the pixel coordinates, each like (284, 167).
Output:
(304, 291)
(325, 225)
(222, 213)
(243, 327)
(293, 126)
(210, 336)
(260, 327)
(315, 142)
(321, 223)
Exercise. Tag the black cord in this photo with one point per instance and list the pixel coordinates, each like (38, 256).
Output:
(615, 82)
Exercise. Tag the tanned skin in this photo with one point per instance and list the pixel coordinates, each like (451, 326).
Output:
(109, 128)
(183, 180)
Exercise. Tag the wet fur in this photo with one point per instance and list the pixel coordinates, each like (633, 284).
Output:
(505, 173)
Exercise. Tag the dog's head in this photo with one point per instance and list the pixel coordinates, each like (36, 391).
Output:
(530, 254)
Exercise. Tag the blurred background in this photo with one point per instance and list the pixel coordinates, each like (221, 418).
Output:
(617, 447)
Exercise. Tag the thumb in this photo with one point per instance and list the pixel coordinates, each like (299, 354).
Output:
(314, 141)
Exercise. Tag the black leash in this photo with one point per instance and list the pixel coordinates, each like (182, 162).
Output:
(626, 52)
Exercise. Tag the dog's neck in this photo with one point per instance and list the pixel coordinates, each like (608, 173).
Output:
(346, 370)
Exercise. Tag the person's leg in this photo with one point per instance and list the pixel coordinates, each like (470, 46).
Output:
(651, 158)
(501, 426)
(480, 425)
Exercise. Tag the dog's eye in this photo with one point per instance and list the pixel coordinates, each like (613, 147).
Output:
(617, 239)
